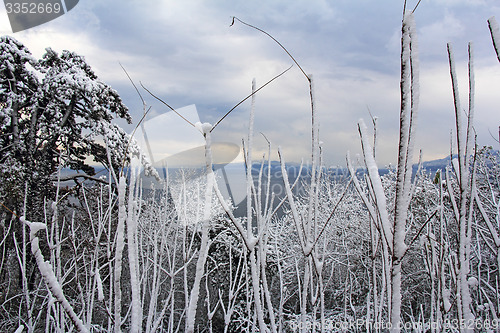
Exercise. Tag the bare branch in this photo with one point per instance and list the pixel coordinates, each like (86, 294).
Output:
(171, 108)
(416, 6)
(275, 40)
(135, 87)
(243, 100)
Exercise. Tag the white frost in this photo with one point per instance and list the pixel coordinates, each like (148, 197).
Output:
(380, 198)
(495, 35)
(34, 226)
(446, 300)
(473, 282)
(203, 128)
(100, 292)
(49, 276)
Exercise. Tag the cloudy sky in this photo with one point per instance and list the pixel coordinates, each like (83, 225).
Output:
(187, 53)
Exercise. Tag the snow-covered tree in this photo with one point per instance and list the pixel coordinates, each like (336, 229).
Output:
(52, 112)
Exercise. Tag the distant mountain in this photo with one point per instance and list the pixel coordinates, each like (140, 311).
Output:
(291, 167)
(234, 176)
(437, 163)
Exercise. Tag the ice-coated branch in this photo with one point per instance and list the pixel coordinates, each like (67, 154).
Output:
(120, 245)
(315, 150)
(491, 227)
(293, 207)
(458, 109)
(410, 94)
(48, 274)
(409, 109)
(495, 34)
(205, 129)
(451, 194)
(248, 161)
(241, 231)
(357, 185)
(380, 200)
(469, 144)
(465, 146)
(131, 221)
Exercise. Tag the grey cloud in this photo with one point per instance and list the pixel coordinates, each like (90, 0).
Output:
(187, 53)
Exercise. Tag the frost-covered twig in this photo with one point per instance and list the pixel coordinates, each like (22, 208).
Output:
(465, 146)
(357, 185)
(410, 93)
(48, 273)
(295, 214)
(132, 218)
(120, 245)
(394, 246)
(192, 305)
(495, 35)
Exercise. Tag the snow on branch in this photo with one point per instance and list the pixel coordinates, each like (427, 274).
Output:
(48, 274)
(495, 34)
(374, 176)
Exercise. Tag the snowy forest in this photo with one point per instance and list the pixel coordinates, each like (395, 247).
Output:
(408, 250)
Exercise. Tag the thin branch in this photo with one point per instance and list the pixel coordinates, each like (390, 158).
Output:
(374, 122)
(171, 108)
(493, 137)
(1, 203)
(133, 133)
(333, 212)
(274, 39)
(243, 100)
(419, 232)
(265, 137)
(371, 115)
(414, 9)
(133, 84)
(137, 126)
(140, 121)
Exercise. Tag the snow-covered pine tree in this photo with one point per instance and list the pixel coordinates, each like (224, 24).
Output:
(18, 88)
(51, 112)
